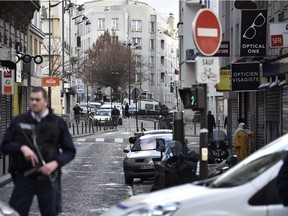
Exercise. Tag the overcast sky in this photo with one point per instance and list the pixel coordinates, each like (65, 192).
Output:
(164, 7)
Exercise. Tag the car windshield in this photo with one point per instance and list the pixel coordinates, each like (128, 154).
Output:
(103, 113)
(148, 143)
(248, 171)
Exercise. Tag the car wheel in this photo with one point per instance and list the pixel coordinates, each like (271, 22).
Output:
(128, 180)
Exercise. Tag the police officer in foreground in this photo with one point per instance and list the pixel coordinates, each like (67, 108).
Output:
(39, 144)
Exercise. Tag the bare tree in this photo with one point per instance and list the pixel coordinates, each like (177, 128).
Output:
(56, 58)
(108, 63)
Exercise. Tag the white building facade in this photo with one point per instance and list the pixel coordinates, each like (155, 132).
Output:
(156, 43)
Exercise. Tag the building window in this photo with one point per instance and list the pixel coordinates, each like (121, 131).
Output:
(162, 77)
(162, 60)
(136, 25)
(115, 24)
(138, 78)
(101, 24)
(151, 46)
(152, 78)
(152, 27)
(151, 61)
(138, 60)
(162, 44)
(138, 42)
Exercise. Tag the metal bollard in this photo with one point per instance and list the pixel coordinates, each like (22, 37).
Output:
(82, 128)
(195, 125)
(77, 126)
(85, 127)
(142, 126)
(155, 124)
(73, 129)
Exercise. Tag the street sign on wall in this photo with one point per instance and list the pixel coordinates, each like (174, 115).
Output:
(7, 81)
(278, 35)
(224, 49)
(253, 33)
(245, 76)
(207, 70)
(50, 81)
(207, 32)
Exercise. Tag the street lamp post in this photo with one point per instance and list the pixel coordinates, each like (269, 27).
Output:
(129, 44)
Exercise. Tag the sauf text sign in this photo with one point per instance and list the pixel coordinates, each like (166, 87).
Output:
(207, 70)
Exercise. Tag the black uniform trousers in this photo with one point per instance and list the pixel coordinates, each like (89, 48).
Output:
(48, 194)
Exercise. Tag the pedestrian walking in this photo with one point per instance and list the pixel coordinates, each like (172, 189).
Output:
(127, 110)
(115, 116)
(77, 113)
(39, 144)
(225, 122)
(241, 141)
(211, 123)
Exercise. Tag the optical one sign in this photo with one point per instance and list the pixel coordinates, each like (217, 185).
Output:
(253, 33)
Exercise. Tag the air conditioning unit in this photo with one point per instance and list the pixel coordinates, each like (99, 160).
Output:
(107, 8)
(8, 54)
(193, 2)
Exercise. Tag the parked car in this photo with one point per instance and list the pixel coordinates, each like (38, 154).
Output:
(139, 161)
(102, 116)
(6, 210)
(91, 108)
(249, 189)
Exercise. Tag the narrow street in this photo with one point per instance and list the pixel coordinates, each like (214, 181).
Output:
(94, 181)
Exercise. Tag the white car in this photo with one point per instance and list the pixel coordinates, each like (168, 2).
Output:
(102, 116)
(139, 161)
(248, 189)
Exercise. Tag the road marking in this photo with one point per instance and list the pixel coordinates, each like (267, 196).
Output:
(126, 132)
(99, 139)
(110, 133)
(118, 140)
(81, 140)
(207, 32)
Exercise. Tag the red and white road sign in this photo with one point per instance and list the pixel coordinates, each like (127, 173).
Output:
(207, 32)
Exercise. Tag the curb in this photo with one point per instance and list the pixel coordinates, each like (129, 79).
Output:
(88, 134)
(4, 180)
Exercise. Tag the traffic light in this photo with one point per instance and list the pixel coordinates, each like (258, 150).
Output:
(193, 98)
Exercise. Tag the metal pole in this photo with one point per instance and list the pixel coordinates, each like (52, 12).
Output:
(129, 79)
(87, 100)
(204, 139)
(63, 58)
(137, 129)
(178, 132)
(49, 53)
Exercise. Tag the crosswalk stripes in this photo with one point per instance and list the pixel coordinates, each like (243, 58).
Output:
(99, 139)
(118, 140)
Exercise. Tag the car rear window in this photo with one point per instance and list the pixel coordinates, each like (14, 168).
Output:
(149, 143)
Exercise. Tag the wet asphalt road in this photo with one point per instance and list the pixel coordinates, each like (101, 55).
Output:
(94, 181)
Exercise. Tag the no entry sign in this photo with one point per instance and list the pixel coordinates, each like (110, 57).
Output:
(207, 32)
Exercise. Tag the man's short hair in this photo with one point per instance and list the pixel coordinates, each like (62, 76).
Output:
(40, 89)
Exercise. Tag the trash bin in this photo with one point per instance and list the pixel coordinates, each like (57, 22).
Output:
(66, 118)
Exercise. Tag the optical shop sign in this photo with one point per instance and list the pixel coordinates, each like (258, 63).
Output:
(253, 33)
(245, 76)
(7, 81)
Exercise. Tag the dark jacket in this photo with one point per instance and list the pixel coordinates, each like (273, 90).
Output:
(77, 110)
(52, 135)
(115, 112)
(211, 122)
